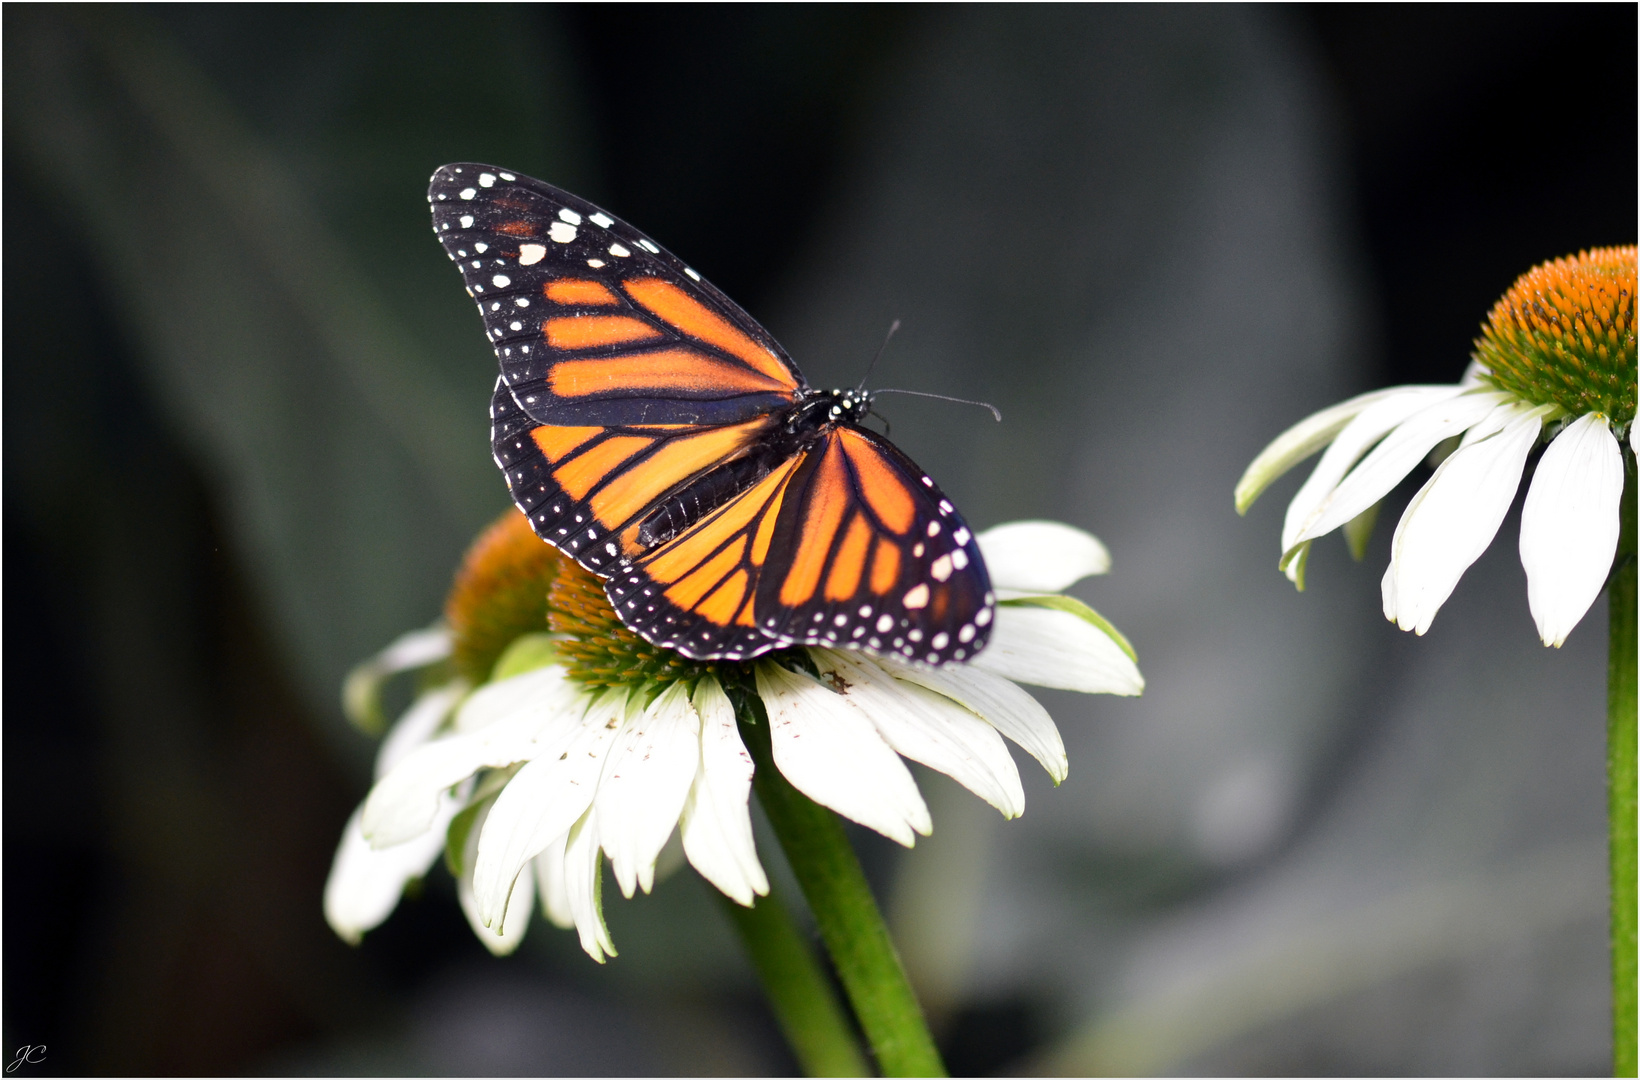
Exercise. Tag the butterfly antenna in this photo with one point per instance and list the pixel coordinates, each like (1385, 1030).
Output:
(943, 397)
(893, 327)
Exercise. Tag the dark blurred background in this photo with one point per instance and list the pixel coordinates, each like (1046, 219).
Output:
(245, 443)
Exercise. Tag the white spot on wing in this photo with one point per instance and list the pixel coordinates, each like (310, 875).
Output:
(468, 193)
(530, 254)
(501, 281)
(691, 272)
(486, 179)
(570, 216)
(561, 232)
(602, 220)
(596, 264)
(620, 251)
(917, 597)
(941, 568)
(649, 246)
(466, 221)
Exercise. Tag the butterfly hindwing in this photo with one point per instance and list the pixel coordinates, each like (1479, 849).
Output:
(587, 489)
(593, 322)
(847, 543)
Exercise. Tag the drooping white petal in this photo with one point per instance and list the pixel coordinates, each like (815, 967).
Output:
(716, 824)
(584, 885)
(403, 803)
(831, 752)
(1299, 442)
(1453, 518)
(361, 692)
(930, 728)
(542, 800)
(509, 935)
(646, 778)
(549, 883)
(1399, 453)
(417, 725)
(1040, 556)
(1357, 437)
(1047, 647)
(1003, 705)
(365, 883)
(543, 688)
(1569, 525)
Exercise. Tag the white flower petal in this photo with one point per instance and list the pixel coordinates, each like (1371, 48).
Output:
(930, 728)
(517, 920)
(1040, 556)
(542, 800)
(1399, 453)
(361, 692)
(1569, 525)
(417, 725)
(646, 778)
(584, 885)
(1359, 436)
(1299, 442)
(543, 688)
(403, 803)
(831, 752)
(716, 824)
(549, 884)
(1048, 647)
(365, 883)
(1453, 518)
(1006, 707)
(416, 649)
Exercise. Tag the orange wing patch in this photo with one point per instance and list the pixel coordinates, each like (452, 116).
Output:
(583, 473)
(849, 566)
(688, 590)
(668, 372)
(828, 499)
(590, 331)
(579, 291)
(675, 558)
(556, 442)
(881, 485)
(698, 321)
(517, 228)
(885, 567)
(637, 487)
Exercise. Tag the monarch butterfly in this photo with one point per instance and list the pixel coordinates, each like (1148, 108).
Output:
(654, 432)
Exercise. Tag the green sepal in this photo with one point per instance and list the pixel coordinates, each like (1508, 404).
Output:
(526, 653)
(455, 840)
(1358, 530)
(1060, 602)
(461, 826)
(362, 697)
(1293, 563)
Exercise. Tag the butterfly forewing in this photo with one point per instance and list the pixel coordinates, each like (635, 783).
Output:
(652, 430)
(592, 321)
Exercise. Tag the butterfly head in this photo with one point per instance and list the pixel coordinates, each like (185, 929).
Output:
(848, 406)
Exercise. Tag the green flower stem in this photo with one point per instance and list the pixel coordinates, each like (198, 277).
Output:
(850, 923)
(805, 1005)
(1620, 783)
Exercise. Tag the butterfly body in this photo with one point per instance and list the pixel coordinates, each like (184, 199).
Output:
(652, 430)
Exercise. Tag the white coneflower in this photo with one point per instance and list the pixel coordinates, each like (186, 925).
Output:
(588, 742)
(1555, 362)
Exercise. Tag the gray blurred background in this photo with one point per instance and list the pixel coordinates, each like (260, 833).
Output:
(245, 444)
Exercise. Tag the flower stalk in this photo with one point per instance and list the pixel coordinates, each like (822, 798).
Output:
(814, 1022)
(851, 925)
(1621, 780)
